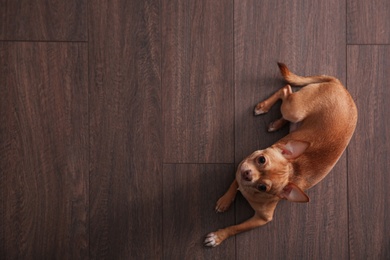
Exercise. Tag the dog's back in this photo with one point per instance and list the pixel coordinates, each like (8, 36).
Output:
(327, 116)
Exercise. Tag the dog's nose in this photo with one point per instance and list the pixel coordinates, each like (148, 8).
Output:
(246, 175)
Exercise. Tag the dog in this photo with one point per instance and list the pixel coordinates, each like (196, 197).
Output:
(323, 118)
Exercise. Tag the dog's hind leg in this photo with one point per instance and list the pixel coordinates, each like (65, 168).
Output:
(277, 124)
(265, 106)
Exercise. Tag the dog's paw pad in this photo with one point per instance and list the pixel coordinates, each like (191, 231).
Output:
(211, 240)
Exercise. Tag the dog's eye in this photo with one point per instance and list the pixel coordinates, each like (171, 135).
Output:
(262, 187)
(261, 160)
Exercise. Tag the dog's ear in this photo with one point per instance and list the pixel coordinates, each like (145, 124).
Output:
(292, 192)
(293, 149)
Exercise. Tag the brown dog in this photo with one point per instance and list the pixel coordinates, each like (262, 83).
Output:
(327, 117)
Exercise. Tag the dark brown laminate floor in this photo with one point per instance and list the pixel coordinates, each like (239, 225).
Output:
(368, 189)
(319, 47)
(125, 130)
(44, 150)
(122, 122)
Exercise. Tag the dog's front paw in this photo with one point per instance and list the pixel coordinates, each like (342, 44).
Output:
(224, 203)
(212, 239)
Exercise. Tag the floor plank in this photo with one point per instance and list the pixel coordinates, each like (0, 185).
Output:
(125, 119)
(197, 81)
(190, 194)
(368, 22)
(41, 20)
(309, 36)
(368, 154)
(44, 151)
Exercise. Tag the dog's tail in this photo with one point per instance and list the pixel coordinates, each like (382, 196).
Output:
(296, 80)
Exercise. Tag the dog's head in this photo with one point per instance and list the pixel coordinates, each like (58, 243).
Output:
(267, 173)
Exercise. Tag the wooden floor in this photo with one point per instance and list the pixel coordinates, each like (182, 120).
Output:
(121, 123)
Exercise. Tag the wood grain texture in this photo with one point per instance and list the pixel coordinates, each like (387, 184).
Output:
(368, 22)
(176, 82)
(197, 81)
(368, 154)
(190, 194)
(125, 119)
(309, 36)
(43, 20)
(44, 151)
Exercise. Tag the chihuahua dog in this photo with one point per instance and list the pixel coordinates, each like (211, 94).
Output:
(323, 118)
